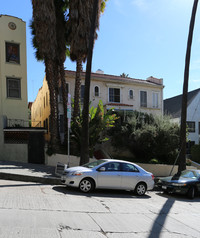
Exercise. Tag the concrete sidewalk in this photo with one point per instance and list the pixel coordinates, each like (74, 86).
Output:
(18, 171)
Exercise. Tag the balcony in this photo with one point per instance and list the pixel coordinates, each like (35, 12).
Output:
(17, 123)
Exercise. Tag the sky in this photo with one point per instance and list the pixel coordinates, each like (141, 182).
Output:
(141, 38)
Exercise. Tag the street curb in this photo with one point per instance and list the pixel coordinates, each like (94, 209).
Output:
(25, 178)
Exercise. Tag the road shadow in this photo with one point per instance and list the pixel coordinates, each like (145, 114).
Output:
(159, 222)
(8, 166)
(99, 193)
(21, 185)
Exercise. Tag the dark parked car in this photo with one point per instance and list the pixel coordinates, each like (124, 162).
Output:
(187, 183)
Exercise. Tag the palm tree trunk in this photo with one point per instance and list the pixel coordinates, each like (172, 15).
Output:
(182, 155)
(64, 96)
(85, 124)
(53, 91)
(77, 88)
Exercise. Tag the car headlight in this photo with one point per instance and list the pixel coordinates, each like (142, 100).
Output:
(77, 173)
(179, 184)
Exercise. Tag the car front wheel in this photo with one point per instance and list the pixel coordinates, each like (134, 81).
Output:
(140, 189)
(86, 185)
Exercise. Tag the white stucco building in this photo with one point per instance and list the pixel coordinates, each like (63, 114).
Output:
(119, 93)
(172, 106)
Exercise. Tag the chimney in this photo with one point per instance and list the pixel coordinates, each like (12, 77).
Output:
(99, 71)
(155, 80)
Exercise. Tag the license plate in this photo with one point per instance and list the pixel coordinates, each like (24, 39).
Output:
(164, 187)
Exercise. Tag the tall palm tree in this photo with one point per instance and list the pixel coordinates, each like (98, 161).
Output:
(44, 20)
(78, 30)
(93, 11)
(61, 7)
(79, 41)
(182, 155)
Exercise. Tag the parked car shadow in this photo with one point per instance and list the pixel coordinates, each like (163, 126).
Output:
(99, 193)
(180, 197)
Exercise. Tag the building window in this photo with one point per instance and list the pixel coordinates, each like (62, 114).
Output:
(143, 98)
(96, 91)
(44, 102)
(82, 92)
(12, 53)
(114, 95)
(47, 126)
(130, 94)
(155, 99)
(13, 88)
(191, 126)
(46, 99)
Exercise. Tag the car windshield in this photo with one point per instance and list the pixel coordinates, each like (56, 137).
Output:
(93, 164)
(188, 174)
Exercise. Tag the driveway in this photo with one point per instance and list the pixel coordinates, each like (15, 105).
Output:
(38, 210)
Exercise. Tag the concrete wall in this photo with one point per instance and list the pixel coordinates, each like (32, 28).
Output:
(71, 160)
(157, 169)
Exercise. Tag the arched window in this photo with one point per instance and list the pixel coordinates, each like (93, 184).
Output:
(131, 94)
(96, 91)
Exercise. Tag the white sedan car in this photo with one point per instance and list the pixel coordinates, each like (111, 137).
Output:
(109, 174)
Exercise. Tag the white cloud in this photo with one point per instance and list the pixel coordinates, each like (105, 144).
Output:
(195, 80)
(195, 64)
(141, 4)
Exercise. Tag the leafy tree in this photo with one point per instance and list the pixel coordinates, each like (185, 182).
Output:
(99, 122)
(147, 137)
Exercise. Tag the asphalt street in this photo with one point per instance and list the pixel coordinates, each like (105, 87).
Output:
(30, 210)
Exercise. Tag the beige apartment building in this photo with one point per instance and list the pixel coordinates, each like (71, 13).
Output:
(13, 85)
(125, 94)
(18, 142)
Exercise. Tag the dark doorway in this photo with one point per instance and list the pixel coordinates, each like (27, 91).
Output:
(36, 148)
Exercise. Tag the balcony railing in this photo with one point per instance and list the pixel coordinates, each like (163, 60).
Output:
(17, 123)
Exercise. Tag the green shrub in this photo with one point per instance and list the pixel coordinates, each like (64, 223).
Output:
(153, 161)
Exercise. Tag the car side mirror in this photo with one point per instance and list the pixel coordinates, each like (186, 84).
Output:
(102, 169)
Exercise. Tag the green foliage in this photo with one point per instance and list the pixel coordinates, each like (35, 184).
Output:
(195, 153)
(153, 161)
(147, 137)
(103, 5)
(99, 122)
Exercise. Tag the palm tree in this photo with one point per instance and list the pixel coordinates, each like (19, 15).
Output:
(182, 155)
(93, 10)
(61, 7)
(78, 30)
(44, 20)
(79, 40)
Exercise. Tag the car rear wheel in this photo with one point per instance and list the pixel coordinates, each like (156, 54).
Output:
(86, 185)
(140, 189)
(191, 193)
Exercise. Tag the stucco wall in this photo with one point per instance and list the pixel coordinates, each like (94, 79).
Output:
(13, 108)
(193, 114)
